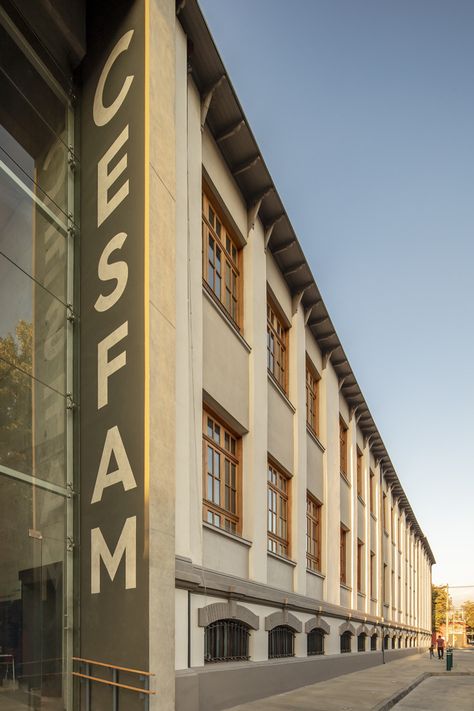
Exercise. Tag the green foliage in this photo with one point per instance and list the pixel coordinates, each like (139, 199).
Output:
(438, 607)
(16, 398)
(468, 611)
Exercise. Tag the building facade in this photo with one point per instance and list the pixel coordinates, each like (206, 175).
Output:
(197, 507)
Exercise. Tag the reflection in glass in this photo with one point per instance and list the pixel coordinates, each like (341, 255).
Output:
(32, 552)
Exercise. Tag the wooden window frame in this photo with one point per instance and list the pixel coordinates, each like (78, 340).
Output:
(230, 521)
(372, 491)
(313, 523)
(343, 554)
(312, 397)
(278, 503)
(360, 473)
(229, 295)
(277, 334)
(360, 551)
(372, 574)
(343, 447)
(384, 511)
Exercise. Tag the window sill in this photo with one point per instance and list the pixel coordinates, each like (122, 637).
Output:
(280, 391)
(361, 594)
(345, 587)
(315, 438)
(373, 599)
(373, 515)
(344, 478)
(359, 497)
(222, 312)
(316, 573)
(233, 536)
(282, 559)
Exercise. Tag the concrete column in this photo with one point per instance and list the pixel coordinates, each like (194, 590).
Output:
(161, 176)
(329, 392)
(352, 473)
(256, 452)
(297, 393)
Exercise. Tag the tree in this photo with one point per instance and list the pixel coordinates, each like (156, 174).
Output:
(438, 607)
(468, 612)
(16, 398)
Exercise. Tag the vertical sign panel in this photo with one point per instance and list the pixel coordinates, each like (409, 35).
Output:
(114, 565)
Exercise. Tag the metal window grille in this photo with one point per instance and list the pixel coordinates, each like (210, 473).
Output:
(315, 642)
(361, 642)
(281, 642)
(345, 642)
(226, 641)
(373, 643)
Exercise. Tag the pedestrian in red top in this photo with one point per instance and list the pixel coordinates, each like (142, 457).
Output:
(440, 644)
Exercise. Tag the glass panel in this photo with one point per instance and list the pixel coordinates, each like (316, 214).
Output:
(37, 323)
(31, 444)
(32, 551)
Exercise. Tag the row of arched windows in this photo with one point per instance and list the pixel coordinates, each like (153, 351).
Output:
(228, 640)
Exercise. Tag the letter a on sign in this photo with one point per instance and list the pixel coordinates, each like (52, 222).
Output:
(123, 473)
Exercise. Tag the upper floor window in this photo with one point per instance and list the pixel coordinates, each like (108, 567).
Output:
(372, 491)
(359, 473)
(313, 533)
(343, 554)
(221, 258)
(221, 470)
(277, 337)
(372, 574)
(384, 511)
(278, 490)
(360, 556)
(226, 641)
(343, 446)
(312, 397)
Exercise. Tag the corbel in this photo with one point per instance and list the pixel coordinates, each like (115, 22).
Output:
(269, 229)
(296, 300)
(255, 209)
(341, 382)
(283, 247)
(309, 311)
(295, 269)
(206, 101)
(352, 411)
(243, 167)
(180, 6)
(229, 132)
(327, 357)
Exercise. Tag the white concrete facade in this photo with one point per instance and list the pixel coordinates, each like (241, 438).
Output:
(225, 368)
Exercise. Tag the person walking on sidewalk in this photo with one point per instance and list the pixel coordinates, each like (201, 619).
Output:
(440, 645)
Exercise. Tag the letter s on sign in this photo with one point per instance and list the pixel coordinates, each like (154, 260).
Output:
(103, 114)
(112, 270)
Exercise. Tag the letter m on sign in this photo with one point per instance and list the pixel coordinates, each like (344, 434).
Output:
(126, 546)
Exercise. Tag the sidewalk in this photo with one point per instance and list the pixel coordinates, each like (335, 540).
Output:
(370, 689)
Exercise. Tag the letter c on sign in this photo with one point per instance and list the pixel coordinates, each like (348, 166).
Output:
(103, 114)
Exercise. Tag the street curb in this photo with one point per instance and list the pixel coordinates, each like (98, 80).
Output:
(401, 693)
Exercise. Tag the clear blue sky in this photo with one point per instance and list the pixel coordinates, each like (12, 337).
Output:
(364, 112)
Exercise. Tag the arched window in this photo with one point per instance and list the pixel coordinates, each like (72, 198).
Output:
(373, 643)
(346, 642)
(315, 642)
(361, 642)
(225, 641)
(399, 642)
(406, 641)
(385, 641)
(281, 642)
(393, 642)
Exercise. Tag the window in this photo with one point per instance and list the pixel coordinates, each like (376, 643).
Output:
(372, 492)
(313, 533)
(384, 511)
(373, 643)
(221, 473)
(343, 554)
(346, 642)
(399, 643)
(315, 642)
(385, 641)
(221, 259)
(372, 574)
(278, 529)
(343, 446)
(361, 642)
(393, 642)
(276, 345)
(360, 556)
(359, 473)
(312, 397)
(281, 642)
(225, 641)
(384, 580)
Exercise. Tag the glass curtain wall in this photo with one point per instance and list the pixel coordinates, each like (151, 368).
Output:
(36, 247)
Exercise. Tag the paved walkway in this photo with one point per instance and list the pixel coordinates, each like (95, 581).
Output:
(440, 694)
(372, 688)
